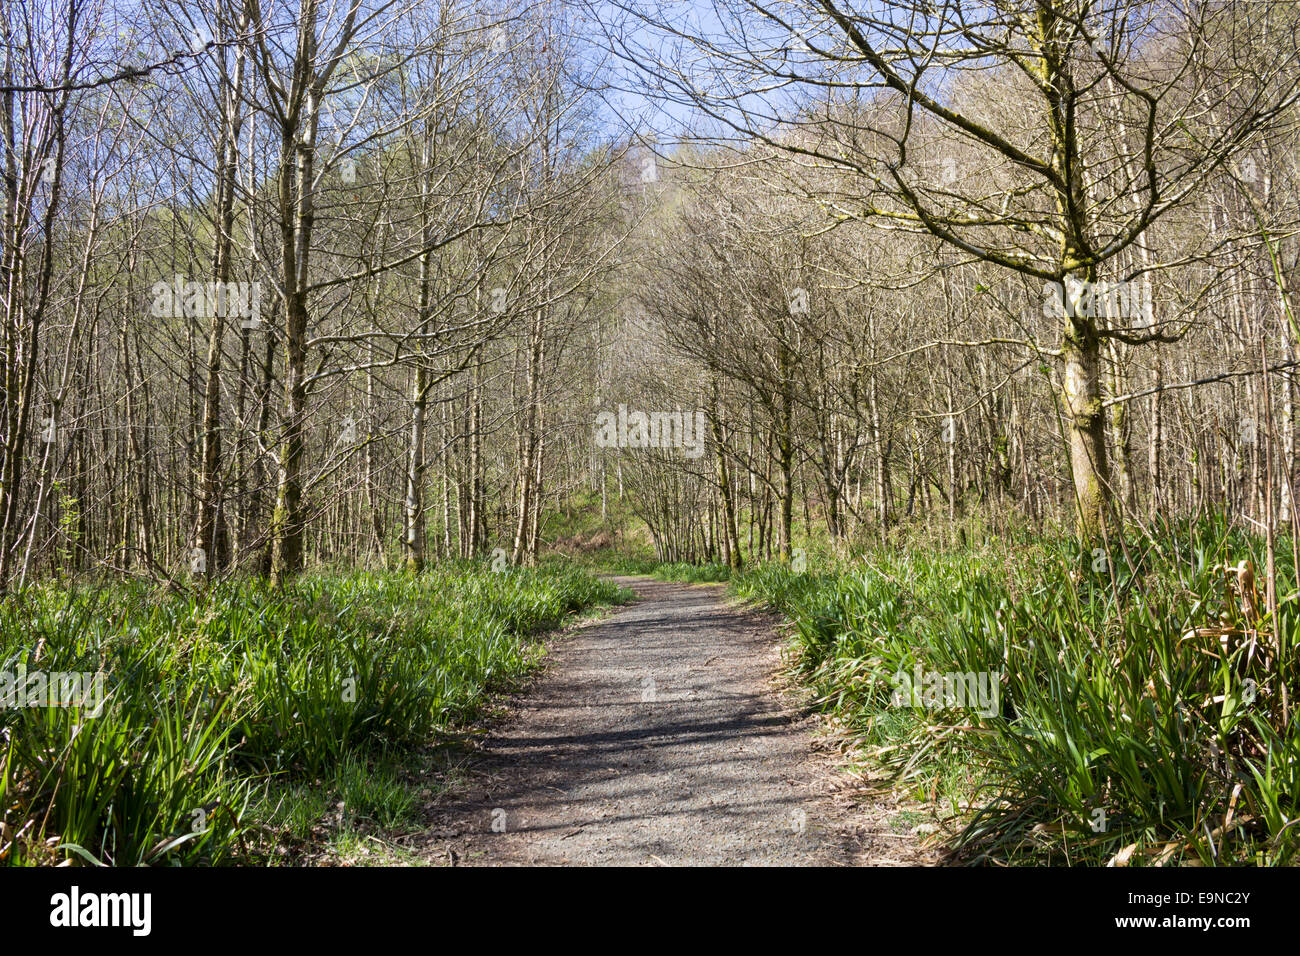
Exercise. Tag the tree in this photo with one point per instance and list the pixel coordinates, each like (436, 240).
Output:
(870, 91)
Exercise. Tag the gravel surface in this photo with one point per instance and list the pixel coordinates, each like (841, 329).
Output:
(658, 736)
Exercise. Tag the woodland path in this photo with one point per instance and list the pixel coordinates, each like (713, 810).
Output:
(659, 736)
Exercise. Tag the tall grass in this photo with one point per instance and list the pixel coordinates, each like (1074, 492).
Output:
(212, 696)
(1143, 717)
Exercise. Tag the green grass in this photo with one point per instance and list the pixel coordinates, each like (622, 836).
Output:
(231, 714)
(1119, 730)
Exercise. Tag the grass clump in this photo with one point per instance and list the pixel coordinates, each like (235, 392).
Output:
(1144, 708)
(213, 700)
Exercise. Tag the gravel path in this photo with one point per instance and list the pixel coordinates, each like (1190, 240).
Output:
(657, 736)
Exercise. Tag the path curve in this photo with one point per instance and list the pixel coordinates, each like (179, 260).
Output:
(657, 736)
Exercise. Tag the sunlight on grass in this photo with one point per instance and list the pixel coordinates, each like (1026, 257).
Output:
(1140, 717)
(235, 718)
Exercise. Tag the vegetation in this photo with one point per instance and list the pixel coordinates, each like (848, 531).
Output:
(294, 296)
(1142, 714)
(229, 715)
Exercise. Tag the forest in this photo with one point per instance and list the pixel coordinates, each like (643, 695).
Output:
(351, 347)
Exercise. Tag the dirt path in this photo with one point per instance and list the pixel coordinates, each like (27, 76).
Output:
(658, 737)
